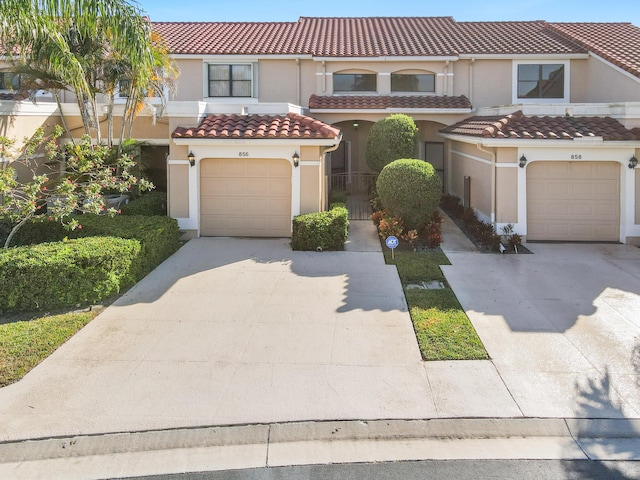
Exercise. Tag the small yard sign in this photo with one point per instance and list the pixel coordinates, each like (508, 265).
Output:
(392, 243)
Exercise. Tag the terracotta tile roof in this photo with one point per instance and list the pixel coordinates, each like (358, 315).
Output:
(517, 38)
(519, 126)
(291, 126)
(378, 36)
(351, 102)
(364, 37)
(228, 38)
(403, 36)
(619, 43)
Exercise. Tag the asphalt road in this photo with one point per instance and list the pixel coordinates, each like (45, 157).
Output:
(426, 470)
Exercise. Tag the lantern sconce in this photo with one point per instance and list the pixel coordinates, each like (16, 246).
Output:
(355, 125)
(523, 161)
(296, 159)
(633, 162)
(192, 159)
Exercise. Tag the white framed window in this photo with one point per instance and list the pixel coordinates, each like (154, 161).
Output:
(230, 80)
(536, 81)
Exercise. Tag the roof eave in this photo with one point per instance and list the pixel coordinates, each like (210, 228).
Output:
(431, 111)
(589, 142)
(325, 142)
(524, 56)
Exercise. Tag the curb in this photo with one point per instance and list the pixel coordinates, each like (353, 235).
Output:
(574, 430)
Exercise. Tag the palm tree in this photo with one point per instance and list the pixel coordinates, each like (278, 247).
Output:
(86, 47)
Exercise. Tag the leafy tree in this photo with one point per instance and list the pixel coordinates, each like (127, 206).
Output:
(389, 139)
(85, 172)
(87, 47)
(410, 189)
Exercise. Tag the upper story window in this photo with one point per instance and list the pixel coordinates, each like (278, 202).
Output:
(9, 81)
(413, 82)
(233, 80)
(354, 82)
(541, 80)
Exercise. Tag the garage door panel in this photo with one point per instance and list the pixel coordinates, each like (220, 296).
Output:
(245, 197)
(577, 201)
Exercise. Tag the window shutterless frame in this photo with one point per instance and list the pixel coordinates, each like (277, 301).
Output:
(230, 80)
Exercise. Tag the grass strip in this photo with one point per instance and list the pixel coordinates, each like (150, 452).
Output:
(442, 327)
(24, 344)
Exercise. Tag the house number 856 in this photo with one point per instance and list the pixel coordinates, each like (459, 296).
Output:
(243, 154)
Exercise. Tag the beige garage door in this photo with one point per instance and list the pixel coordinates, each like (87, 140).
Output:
(245, 197)
(573, 201)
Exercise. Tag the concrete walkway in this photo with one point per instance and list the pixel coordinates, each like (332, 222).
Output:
(314, 354)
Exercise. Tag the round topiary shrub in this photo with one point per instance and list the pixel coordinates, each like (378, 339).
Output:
(389, 139)
(410, 189)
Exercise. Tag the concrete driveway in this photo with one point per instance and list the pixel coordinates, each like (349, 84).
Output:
(240, 331)
(232, 331)
(562, 326)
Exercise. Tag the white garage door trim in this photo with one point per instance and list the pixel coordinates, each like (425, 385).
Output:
(248, 197)
(573, 201)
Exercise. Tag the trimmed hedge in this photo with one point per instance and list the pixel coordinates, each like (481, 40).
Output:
(60, 274)
(410, 189)
(327, 230)
(149, 204)
(159, 236)
(391, 138)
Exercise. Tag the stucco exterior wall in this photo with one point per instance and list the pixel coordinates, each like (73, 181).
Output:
(310, 180)
(178, 189)
(595, 81)
(278, 81)
(492, 83)
(191, 80)
(465, 160)
(507, 186)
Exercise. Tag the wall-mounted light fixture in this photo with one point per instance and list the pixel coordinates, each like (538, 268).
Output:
(192, 159)
(355, 125)
(523, 161)
(296, 159)
(633, 162)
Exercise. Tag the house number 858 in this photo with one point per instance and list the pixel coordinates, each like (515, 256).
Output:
(243, 154)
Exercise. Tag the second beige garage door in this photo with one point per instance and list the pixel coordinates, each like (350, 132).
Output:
(573, 201)
(245, 197)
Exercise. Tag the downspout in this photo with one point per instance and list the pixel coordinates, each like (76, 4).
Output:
(446, 79)
(324, 76)
(298, 87)
(473, 60)
(493, 182)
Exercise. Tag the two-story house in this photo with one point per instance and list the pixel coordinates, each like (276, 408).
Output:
(535, 124)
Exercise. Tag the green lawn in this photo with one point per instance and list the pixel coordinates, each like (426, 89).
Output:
(442, 328)
(24, 344)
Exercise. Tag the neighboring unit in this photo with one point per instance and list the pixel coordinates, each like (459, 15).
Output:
(534, 124)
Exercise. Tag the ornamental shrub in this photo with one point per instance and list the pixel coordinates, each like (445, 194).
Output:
(60, 274)
(327, 230)
(159, 236)
(390, 139)
(410, 189)
(149, 204)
